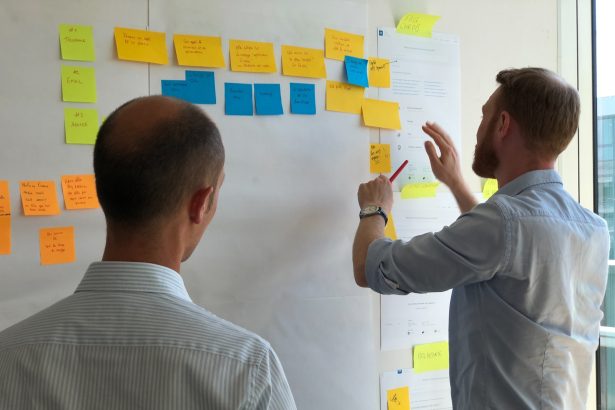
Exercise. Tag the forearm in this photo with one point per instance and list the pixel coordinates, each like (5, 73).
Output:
(464, 197)
(369, 230)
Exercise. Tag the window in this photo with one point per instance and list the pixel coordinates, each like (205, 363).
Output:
(604, 95)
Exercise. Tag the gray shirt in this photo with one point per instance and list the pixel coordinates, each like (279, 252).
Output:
(528, 270)
(131, 338)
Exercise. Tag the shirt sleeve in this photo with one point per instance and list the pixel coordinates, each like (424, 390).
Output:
(271, 389)
(470, 250)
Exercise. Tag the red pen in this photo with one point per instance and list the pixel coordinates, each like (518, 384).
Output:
(401, 167)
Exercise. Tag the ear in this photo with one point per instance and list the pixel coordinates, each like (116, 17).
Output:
(198, 204)
(504, 124)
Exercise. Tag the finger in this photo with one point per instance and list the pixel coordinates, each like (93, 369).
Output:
(440, 141)
(443, 133)
(433, 155)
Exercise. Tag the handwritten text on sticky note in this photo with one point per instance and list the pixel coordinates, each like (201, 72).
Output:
(379, 72)
(80, 125)
(303, 62)
(417, 24)
(39, 198)
(77, 42)
(342, 97)
(302, 98)
(252, 56)
(338, 44)
(78, 84)
(379, 158)
(79, 192)
(198, 51)
(141, 45)
(430, 357)
(57, 245)
(5, 199)
(398, 399)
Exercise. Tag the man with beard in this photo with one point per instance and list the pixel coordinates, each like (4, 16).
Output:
(528, 267)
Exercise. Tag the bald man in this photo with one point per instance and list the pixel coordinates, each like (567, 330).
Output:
(130, 337)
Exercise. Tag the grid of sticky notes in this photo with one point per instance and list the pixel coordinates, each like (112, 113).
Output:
(39, 198)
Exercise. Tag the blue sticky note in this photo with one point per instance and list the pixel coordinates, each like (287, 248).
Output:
(302, 98)
(238, 99)
(176, 88)
(268, 99)
(356, 71)
(202, 87)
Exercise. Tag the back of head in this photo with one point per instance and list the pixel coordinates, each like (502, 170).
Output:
(152, 153)
(545, 106)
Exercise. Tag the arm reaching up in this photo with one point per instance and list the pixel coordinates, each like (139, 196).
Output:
(446, 167)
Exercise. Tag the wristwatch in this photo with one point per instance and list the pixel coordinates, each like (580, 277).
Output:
(371, 210)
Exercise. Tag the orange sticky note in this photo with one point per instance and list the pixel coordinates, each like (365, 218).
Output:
(79, 192)
(252, 56)
(339, 44)
(5, 219)
(39, 198)
(57, 245)
(379, 158)
(5, 234)
(303, 62)
(398, 399)
(381, 114)
(379, 72)
(5, 199)
(198, 51)
(389, 229)
(342, 97)
(141, 45)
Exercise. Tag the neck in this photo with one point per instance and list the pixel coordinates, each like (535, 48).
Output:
(161, 246)
(508, 172)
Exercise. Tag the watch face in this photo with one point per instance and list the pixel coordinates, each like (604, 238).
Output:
(370, 209)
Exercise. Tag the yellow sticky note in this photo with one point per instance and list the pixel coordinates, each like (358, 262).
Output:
(419, 190)
(381, 114)
(77, 42)
(342, 97)
(39, 198)
(79, 192)
(389, 229)
(430, 357)
(252, 56)
(141, 45)
(379, 72)
(490, 188)
(57, 245)
(198, 51)
(398, 399)
(5, 218)
(5, 234)
(339, 44)
(5, 199)
(78, 84)
(80, 125)
(417, 24)
(303, 62)
(379, 158)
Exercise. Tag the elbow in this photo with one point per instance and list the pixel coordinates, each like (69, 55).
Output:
(359, 276)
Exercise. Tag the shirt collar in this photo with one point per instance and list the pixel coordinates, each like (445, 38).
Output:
(132, 277)
(529, 179)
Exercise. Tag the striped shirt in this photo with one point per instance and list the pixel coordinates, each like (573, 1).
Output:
(131, 338)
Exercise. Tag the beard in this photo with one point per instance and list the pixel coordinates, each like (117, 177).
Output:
(485, 160)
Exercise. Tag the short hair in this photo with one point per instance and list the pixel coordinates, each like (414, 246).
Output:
(140, 182)
(546, 107)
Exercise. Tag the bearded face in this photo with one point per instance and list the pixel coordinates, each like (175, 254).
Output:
(485, 159)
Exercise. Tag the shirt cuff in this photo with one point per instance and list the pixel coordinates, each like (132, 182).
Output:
(377, 280)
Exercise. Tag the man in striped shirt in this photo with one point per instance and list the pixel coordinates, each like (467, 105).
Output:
(130, 337)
